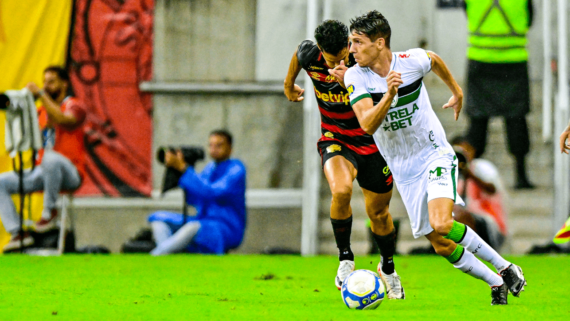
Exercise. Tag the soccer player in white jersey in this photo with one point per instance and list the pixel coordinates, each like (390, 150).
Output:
(392, 104)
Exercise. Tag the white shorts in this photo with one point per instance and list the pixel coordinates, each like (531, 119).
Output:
(438, 181)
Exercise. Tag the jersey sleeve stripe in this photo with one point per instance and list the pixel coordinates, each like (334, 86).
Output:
(357, 99)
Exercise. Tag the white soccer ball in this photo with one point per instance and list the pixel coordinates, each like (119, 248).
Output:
(362, 290)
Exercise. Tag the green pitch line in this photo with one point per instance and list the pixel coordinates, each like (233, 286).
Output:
(256, 287)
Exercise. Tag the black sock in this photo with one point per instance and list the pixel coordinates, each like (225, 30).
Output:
(342, 230)
(387, 246)
(521, 168)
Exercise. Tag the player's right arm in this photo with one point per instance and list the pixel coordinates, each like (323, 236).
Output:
(293, 91)
(371, 116)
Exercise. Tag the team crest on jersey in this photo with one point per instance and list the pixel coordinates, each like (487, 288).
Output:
(394, 101)
(329, 135)
(350, 89)
(333, 148)
(407, 55)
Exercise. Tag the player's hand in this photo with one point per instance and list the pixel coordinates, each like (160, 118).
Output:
(564, 147)
(394, 81)
(33, 88)
(295, 93)
(338, 72)
(455, 102)
(175, 160)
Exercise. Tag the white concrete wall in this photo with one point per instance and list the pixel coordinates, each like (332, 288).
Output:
(281, 27)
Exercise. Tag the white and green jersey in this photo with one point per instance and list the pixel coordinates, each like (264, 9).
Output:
(411, 135)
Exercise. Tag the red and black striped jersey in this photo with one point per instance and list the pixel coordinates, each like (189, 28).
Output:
(338, 120)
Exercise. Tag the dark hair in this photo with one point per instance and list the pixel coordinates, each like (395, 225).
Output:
(224, 133)
(458, 140)
(332, 36)
(372, 24)
(61, 72)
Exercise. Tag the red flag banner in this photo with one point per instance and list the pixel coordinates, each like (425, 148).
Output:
(111, 53)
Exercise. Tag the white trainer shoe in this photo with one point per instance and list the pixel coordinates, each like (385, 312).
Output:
(344, 269)
(394, 288)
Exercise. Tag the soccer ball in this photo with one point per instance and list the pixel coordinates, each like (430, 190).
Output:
(362, 290)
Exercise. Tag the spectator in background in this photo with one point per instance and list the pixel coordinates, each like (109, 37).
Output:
(217, 193)
(481, 188)
(63, 160)
(497, 77)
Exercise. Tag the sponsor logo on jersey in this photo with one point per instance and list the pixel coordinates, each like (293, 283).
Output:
(371, 89)
(322, 77)
(431, 136)
(437, 174)
(404, 55)
(329, 135)
(350, 89)
(401, 118)
(333, 98)
(315, 68)
(333, 148)
(386, 170)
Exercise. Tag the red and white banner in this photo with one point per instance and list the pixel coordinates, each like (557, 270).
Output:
(111, 54)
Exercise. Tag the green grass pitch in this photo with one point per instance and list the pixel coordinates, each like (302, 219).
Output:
(256, 287)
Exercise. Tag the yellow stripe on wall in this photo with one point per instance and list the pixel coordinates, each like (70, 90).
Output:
(33, 35)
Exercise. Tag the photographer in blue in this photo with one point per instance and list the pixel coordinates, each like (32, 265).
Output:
(217, 193)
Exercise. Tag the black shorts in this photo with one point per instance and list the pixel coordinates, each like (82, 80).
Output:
(373, 173)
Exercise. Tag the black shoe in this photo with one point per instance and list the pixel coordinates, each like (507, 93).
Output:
(523, 183)
(499, 294)
(514, 279)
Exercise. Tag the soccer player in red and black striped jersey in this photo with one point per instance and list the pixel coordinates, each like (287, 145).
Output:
(347, 152)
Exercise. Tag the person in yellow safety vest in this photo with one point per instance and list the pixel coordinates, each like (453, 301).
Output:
(497, 76)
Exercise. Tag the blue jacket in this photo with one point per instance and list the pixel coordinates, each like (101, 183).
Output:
(218, 194)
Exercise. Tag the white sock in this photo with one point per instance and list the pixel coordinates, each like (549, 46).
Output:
(469, 264)
(475, 244)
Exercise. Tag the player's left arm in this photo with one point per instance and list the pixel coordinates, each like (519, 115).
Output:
(440, 69)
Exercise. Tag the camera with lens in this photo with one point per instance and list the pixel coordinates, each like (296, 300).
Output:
(4, 101)
(191, 154)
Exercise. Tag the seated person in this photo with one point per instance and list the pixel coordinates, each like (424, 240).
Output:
(62, 164)
(481, 187)
(217, 193)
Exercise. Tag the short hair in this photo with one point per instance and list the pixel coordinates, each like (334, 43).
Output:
(458, 140)
(332, 36)
(60, 71)
(224, 133)
(372, 24)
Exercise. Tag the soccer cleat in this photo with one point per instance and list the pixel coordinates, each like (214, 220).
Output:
(499, 294)
(514, 279)
(344, 269)
(394, 288)
(46, 225)
(15, 243)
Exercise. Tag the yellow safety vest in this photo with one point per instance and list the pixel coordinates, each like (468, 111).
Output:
(497, 30)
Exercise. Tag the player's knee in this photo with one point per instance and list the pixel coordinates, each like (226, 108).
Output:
(342, 194)
(443, 226)
(378, 214)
